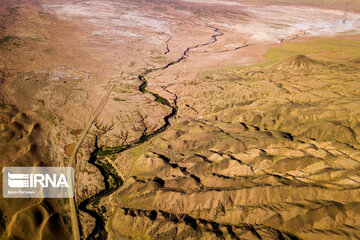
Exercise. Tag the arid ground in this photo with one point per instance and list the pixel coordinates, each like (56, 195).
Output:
(184, 119)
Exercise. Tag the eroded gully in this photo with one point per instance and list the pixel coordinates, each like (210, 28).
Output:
(101, 152)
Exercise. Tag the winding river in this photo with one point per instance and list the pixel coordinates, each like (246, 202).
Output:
(99, 152)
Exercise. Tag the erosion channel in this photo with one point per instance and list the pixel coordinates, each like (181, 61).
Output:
(102, 151)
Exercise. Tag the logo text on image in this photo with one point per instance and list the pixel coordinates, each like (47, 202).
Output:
(38, 182)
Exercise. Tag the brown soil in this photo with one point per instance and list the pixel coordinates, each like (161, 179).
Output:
(264, 143)
(69, 149)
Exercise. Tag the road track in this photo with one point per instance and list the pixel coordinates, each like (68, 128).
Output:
(72, 162)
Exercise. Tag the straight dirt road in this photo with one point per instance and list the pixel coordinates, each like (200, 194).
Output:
(72, 162)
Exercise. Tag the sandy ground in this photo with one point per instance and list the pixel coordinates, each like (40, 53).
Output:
(254, 152)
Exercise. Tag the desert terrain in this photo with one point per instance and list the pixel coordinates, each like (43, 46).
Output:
(186, 119)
